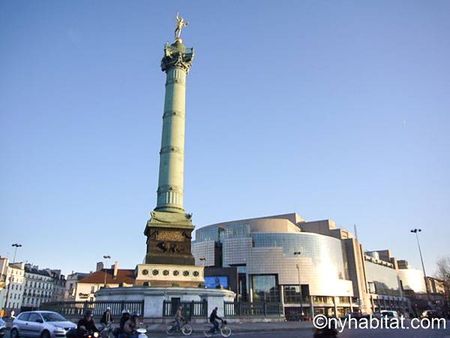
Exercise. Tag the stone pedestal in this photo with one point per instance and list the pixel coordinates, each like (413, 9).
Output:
(153, 297)
(164, 275)
(169, 238)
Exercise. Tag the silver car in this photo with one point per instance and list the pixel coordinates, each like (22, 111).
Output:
(2, 328)
(43, 324)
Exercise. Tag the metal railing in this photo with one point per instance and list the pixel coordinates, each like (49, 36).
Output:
(76, 309)
(264, 309)
(190, 309)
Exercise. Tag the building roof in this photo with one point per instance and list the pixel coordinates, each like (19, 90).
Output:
(293, 217)
(36, 271)
(77, 275)
(98, 277)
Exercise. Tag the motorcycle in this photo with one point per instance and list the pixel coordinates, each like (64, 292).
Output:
(77, 333)
(142, 332)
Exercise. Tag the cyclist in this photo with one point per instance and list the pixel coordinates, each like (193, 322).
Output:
(214, 319)
(179, 317)
(107, 317)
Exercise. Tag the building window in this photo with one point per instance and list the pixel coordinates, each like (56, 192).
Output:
(265, 288)
(292, 294)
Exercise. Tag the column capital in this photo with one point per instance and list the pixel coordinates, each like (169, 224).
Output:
(177, 55)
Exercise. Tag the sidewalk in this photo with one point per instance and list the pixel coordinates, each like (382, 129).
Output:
(243, 327)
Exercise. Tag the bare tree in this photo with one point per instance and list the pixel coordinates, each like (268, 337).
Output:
(443, 269)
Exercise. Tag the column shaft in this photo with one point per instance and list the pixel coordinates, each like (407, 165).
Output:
(171, 167)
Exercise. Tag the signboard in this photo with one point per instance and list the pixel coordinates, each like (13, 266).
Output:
(216, 282)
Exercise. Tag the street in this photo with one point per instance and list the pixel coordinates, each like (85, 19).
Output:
(289, 329)
(346, 334)
(353, 333)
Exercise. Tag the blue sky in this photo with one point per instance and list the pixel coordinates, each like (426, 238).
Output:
(332, 109)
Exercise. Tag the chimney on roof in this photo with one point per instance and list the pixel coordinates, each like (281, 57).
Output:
(115, 268)
(99, 266)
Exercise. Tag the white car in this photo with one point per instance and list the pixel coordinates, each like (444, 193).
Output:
(389, 314)
(43, 324)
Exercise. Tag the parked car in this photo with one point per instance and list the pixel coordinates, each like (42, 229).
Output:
(358, 315)
(2, 328)
(377, 315)
(389, 314)
(430, 314)
(43, 324)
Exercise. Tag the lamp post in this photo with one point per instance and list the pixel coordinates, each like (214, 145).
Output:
(8, 290)
(106, 263)
(298, 253)
(15, 245)
(416, 231)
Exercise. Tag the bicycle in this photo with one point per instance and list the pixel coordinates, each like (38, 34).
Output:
(185, 329)
(106, 331)
(224, 330)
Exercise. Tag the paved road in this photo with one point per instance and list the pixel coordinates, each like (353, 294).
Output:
(353, 333)
(348, 333)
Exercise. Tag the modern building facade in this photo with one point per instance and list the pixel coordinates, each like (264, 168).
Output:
(383, 282)
(414, 288)
(411, 279)
(310, 267)
(277, 260)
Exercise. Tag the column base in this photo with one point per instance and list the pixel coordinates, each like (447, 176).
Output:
(169, 275)
(169, 238)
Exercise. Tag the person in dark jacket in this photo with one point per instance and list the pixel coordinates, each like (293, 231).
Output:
(129, 327)
(107, 317)
(125, 316)
(86, 324)
(214, 319)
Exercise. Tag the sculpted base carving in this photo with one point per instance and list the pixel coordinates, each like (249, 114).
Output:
(169, 240)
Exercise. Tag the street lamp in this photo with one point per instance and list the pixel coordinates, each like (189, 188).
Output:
(415, 231)
(106, 263)
(298, 253)
(15, 245)
(8, 290)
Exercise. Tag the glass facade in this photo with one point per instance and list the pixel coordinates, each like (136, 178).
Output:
(382, 280)
(236, 231)
(210, 233)
(206, 251)
(321, 249)
(235, 250)
(219, 233)
(265, 288)
(267, 265)
(292, 294)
